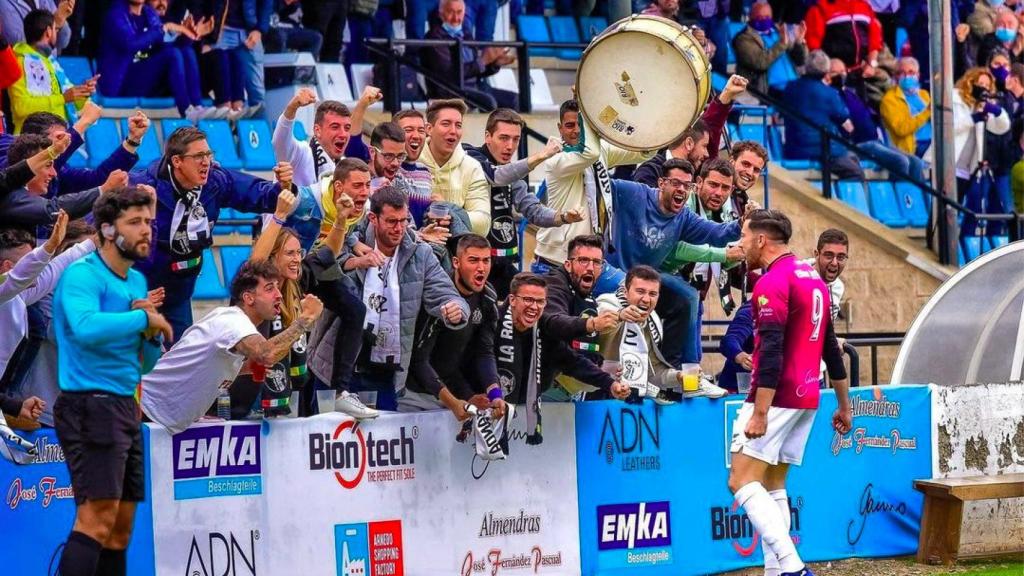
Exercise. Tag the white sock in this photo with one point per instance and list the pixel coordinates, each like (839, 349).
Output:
(771, 562)
(767, 519)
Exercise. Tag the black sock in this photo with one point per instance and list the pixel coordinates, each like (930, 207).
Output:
(112, 563)
(81, 553)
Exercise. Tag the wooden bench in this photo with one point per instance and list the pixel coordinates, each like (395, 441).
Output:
(943, 510)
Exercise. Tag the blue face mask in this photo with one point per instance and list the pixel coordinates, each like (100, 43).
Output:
(996, 3)
(452, 30)
(909, 83)
(1005, 34)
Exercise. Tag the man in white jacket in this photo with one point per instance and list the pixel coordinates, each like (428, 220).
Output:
(580, 179)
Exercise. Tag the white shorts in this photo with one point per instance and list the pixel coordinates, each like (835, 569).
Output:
(784, 439)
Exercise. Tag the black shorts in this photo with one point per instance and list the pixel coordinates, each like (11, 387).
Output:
(101, 436)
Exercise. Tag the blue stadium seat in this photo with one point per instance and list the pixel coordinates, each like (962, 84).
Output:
(246, 229)
(852, 192)
(161, 102)
(222, 229)
(718, 81)
(970, 248)
(254, 143)
(884, 207)
(79, 159)
(222, 142)
(150, 149)
(209, 285)
(912, 204)
(299, 131)
(802, 164)
(232, 257)
(534, 28)
(101, 139)
(869, 165)
(563, 29)
(169, 125)
(753, 131)
(734, 134)
(76, 68)
(116, 101)
(591, 26)
(815, 183)
(995, 242)
(775, 142)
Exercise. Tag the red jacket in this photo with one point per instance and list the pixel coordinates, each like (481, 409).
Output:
(844, 29)
(10, 71)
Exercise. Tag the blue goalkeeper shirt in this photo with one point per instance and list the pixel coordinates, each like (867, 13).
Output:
(99, 336)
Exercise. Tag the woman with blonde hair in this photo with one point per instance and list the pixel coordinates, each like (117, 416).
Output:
(975, 112)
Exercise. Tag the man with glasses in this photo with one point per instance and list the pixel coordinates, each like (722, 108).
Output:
(571, 314)
(830, 258)
(528, 356)
(388, 155)
(396, 279)
(191, 190)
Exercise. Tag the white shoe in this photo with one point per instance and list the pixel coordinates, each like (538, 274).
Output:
(212, 112)
(194, 113)
(658, 395)
(348, 403)
(706, 388)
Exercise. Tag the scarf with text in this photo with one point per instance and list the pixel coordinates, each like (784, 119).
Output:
(510, 373)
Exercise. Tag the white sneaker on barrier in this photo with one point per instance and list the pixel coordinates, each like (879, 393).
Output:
(350, 404)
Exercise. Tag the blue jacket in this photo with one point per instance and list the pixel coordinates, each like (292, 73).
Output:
(865, 129)
(738, 338)
(821, 105)
(223, 189)
(126, 36)
(76, 141)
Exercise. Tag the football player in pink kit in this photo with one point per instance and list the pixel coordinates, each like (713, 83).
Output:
(792, 332)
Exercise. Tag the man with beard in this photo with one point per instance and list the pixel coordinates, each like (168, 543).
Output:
(830, 258)
(191, 190)
(415, 175)
(452, 367)
(700, 264)
(332, 127)
(571, 312)
(388, 154)
(528, 357)
(208, 356)
(108, 334)
(509, 190)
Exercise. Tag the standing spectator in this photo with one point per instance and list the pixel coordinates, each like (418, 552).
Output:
(327, 17)
(765, 53)
(458, 179)
(821, 106)
(481, 16)
(907, 110)
(714, 21)
(982, 20)
(416, 19)
(331, 140)
(1013, 102)
(692, 146)
(847, 30)
(1005, 37)
(397, 279)
(135, 60)
(315, 214)
(108, 335)
(287, 33)
(439, 60)
(239, 42)
(413, 174)
(830, 257)
(13, 13)
(866, 134)
(366, 19)
(886, 12)
(389, 158)
(43, 86)
(191, 190)
(189, 377)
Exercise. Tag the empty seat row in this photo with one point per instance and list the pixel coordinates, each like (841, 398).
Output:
(213, 282)
(896, 205)
(563, 29)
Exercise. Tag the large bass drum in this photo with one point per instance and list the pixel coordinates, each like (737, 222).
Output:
(643, 82)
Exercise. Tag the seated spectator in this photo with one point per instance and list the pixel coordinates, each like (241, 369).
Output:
(866, 134)
(191, 190)
(190, 376)
(30, 206)
(765, 53)
(331, 139)
(184, 41)
(692, 146)
(982, 21)
(136, 61)
(458, 179)
(287, 33)
(395, 280)
(906, 110)
(737, 346)
(1005, 37)
(238, 52)
(847, 30)
(819, 106)
(43, 87)
(13, 13)
(476, 66)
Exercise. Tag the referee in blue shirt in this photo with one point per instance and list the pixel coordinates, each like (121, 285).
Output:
(108, 335)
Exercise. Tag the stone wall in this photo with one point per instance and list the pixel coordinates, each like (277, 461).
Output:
(980, 431)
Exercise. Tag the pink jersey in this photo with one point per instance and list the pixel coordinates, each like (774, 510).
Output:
(791, 294)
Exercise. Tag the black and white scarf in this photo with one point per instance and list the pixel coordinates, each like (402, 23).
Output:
(189, 229)
(510, 376)
(320, 158)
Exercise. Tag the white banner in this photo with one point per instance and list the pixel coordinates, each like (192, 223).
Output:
(325, 496)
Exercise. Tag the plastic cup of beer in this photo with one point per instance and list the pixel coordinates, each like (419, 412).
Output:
(438, 212)
(743, 382)
(691, 377)
(325, 401)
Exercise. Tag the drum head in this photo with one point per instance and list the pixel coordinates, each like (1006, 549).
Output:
(639, 89)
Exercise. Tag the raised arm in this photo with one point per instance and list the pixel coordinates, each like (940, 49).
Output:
(266, 352)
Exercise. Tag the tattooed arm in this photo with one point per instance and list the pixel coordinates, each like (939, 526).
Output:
(266, 352)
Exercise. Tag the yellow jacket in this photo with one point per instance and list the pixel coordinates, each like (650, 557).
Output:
(462, 182)
(898, 122)
(40, 87)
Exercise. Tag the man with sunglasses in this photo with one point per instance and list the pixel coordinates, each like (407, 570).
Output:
(191, 190)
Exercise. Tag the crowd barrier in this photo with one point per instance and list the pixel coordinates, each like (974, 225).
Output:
(613, 488)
